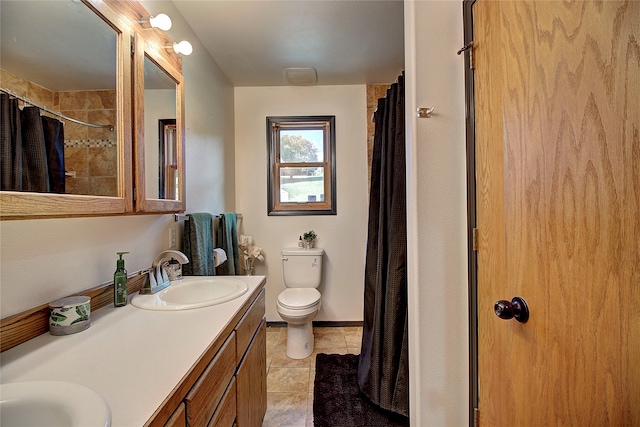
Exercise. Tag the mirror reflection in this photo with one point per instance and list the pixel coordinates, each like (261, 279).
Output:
(169, 175)
(61, 56)
(160, 146)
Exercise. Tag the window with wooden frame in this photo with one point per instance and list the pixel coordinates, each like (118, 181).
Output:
(302, 167)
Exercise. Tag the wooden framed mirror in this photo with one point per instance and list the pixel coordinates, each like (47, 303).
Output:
(70, 60)
(159, 127)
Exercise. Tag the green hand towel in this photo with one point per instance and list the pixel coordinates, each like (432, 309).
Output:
(198, 244)
(228, 241)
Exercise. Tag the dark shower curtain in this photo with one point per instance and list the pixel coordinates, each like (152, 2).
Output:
(383, 370)
(54, 143)
(31, 149)
(10, 150)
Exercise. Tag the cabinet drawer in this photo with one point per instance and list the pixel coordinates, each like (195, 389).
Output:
(178, 418)
(225, 414)
(247, 326)
(204, 396)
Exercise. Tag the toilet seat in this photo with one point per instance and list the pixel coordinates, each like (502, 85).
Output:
(298, 316)
(299, 298)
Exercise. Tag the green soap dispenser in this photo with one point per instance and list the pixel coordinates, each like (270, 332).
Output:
(120, 283)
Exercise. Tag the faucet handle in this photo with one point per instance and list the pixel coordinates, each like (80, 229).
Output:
(152, 280)
(150, 284)
(156, 281)
(163, 277)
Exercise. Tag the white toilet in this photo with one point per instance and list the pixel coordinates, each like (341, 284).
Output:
(299, 304)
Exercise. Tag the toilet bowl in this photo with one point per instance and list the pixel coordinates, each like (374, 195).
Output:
(299, 304)
(298, 307)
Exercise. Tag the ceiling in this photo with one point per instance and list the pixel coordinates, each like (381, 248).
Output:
(346, 41)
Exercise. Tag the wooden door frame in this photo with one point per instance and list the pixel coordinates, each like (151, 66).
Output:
(472, 254)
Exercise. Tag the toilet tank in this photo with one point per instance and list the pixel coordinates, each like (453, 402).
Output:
(302, 268)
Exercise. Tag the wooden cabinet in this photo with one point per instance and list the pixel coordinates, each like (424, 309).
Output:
(225, 415)
(248, 325)
(128, 45)
(251, 376)
(252, 381)
(203, 398)
(228, 384)
(178, 419)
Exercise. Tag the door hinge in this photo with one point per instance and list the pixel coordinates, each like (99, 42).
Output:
(474, 239)
(133, 45)
(476, 417)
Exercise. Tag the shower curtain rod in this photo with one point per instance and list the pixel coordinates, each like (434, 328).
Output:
(55, 113)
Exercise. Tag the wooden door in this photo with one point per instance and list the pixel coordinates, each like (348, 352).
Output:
(557, 107)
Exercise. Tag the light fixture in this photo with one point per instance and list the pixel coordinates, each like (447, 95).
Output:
(184, 47)
(160, 21)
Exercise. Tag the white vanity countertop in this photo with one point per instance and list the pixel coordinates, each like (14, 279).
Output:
(134, 358)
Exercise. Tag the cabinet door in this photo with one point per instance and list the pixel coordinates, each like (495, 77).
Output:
(105, 34)
(252, 381)
(159, 149)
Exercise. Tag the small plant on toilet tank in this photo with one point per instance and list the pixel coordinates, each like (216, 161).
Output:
(309, 237)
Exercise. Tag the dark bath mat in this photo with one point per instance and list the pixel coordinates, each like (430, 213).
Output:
(337, 400)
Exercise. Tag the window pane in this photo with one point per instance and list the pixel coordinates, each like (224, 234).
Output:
(302, 184)
(301, 165)
(297, 145)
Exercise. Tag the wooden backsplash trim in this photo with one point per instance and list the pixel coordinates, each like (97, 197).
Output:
(21, 327)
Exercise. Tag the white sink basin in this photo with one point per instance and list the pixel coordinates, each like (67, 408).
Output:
(193, 292)
(52, 404)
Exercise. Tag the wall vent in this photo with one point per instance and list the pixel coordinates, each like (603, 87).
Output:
(301, 76)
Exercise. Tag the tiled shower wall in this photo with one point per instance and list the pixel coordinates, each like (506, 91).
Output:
(91, 154)
(374, 92)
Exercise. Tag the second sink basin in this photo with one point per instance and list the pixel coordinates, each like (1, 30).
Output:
(193, 292)
(53, 404)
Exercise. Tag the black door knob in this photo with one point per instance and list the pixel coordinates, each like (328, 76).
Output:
(517, 308)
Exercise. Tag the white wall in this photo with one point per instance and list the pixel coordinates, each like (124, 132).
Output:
(438, 319)
(42, 260)
(209, 121)
(343, 236)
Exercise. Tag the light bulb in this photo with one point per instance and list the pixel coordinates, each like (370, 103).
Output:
(184, 47)
(161, 21)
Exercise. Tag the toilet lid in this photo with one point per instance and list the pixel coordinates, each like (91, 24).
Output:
(299, 298)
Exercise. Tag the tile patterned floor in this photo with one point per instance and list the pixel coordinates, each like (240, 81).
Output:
(290, 382)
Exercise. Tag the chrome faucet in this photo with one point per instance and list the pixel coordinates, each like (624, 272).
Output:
(158, 277)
